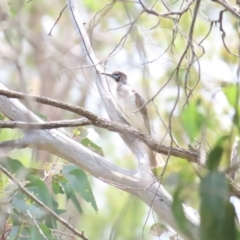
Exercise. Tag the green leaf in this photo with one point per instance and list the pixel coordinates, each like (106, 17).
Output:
(14, 232)
(216, 212)
(84, 187)
(231, 93)
(14, 166)
(36, 210)
(228, 223)
(16, 217)
(40, 190)
(79, 182)
(20, 202)
(70, 194)
(36, 235)
(193, 119)
(214, 191)
(60, 211)
(179, 215)
(214, 158)
(76, 202)
(222, 140)
(92, 146)
(56, 184)
(236, 120)
(66, 185)
(68, 168)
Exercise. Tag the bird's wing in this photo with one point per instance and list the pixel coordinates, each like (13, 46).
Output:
(139, 103)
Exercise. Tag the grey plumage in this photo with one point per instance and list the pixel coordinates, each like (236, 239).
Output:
(132, 108)
(131, 104)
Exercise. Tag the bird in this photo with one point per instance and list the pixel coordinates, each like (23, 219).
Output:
(133, 109)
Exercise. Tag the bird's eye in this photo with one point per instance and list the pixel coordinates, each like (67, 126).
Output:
(116, 75)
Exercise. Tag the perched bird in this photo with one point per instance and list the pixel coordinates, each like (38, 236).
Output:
(133, 109)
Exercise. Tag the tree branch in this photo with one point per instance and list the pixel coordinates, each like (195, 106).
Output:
(167, 14)
(40, 203)
(138, 183)
(45, 125)
(234, 162)
(189, 155)
(137, 147)
(228, 7)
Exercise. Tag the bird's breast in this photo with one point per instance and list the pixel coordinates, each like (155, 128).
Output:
(126, 100)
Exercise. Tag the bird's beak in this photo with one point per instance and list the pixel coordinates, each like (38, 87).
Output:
(107, 74)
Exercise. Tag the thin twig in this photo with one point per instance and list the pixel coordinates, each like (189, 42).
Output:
(60, 14)
(228, 7)
(170, 13)
(45, 125)
(38, 227)
(41, 204)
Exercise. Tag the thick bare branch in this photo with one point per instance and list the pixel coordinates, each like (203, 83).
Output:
(134, 144)
(190, 155)
(138, 183)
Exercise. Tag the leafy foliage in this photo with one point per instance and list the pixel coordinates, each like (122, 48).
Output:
(75, 176)
(71, 181)
(179, 215)
(184, 57)
(92, 146)
(193, 119)
(232, 94)
(216, 211)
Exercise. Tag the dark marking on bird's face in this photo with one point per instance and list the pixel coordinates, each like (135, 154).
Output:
(117, 76)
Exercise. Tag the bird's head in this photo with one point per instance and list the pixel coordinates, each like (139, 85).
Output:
(118, 76)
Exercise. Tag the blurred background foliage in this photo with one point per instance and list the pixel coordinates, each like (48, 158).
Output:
(200, 101)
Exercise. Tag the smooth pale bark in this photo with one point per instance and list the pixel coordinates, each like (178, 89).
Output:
(153, 195)
(138, 183)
